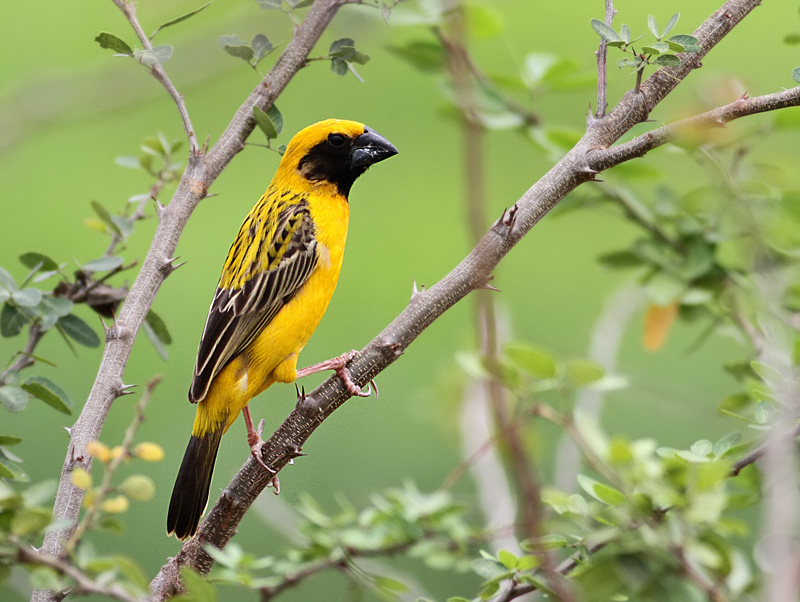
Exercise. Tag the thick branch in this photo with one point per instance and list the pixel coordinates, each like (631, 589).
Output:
(200, 173)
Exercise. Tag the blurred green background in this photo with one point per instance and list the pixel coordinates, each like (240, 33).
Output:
(68, 109)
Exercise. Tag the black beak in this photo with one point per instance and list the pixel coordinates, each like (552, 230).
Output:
(370, 147)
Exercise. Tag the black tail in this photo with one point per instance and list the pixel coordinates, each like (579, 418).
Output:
(190, 495)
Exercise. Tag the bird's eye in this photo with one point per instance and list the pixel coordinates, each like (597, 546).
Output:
(336, 139)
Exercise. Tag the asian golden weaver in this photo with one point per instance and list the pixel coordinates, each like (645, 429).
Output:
(275, 286)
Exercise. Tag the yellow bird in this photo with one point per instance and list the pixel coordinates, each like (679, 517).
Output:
(275, 286)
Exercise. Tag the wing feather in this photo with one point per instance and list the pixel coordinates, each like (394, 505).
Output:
(279, 267)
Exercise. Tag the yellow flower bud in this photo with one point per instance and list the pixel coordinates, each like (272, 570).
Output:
(138, 487)
(149, 452)
(81, 478)
(99, 451)
(115, 505)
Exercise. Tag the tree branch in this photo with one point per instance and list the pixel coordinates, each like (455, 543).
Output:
(84, 584)
(602, 72)
(128, 9)
(201, 172)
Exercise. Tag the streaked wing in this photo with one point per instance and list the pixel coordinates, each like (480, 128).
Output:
(276, 270)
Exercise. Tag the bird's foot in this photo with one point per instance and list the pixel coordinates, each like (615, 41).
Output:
(256, 444)
(339, 365)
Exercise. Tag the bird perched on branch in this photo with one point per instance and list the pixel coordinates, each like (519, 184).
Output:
(275, 286)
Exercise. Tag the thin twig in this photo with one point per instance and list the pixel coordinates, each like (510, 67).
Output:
(602, 72)
(84, 584)
(111, 469)
(26, 357)
(128, 8)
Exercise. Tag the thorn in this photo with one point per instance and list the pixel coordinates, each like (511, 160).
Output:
(588, 170)
(160, 208)
(169, 265)
(416, 291)
(743, 96)
(720, 123)
(295, 451)
(69, 431)
(123, 389)
(301, 395)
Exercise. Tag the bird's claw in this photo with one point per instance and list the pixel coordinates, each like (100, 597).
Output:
(256, 444)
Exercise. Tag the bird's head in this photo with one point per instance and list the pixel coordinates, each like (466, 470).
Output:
(331, 154)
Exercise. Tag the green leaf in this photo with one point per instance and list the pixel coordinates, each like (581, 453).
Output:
(625, 34)
(157, 333)
(79, 331)
(488, 569)
(129, 162)
(606, 32)
(662, 289)
(56, 306)
(198, 589)
(13, 398)
(426, 56)
(271, 122)
(722, 446)
(27, 297)
(261, 46)
(389, 585)
(796, 74)
(534, 360)
(343, 48)
(32, 260)
(621, 259)
(703, 447)
(339, 66)
(482, 21)
(103, 213)
(545, 542)
(583, 372)
(7, 281)
(656, 48)
(112, 42)
(11, 320)
(652, 25)
(671, 25)
(30, 520)
(675, 47)
(9, 440)
(508, 559)
(157, 54)
(601, 492)
(667, 60)
(181, 18)
(49, 392)
(634, 62)
(690, 43)
(104, 264)
(236, 47)
(763, 412)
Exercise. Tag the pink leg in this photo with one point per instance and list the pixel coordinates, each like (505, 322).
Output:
(256, 444)
(339, 365)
